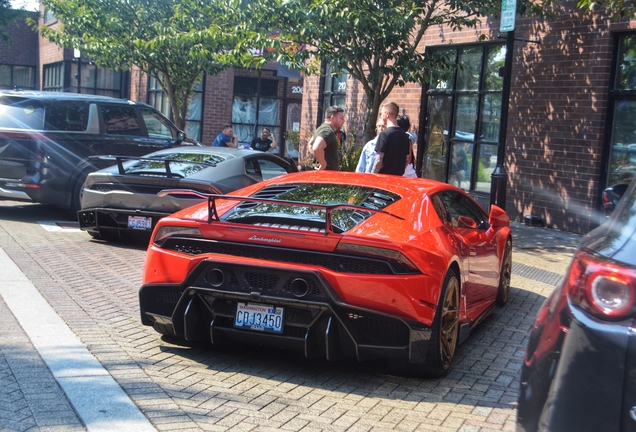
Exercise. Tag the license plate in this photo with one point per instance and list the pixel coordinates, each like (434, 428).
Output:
(259, 317)
(139, 222)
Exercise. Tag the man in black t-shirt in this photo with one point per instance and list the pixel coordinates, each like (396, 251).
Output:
(264, 142)
(393, 145)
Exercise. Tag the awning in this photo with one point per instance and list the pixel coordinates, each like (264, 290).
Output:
(285, 71)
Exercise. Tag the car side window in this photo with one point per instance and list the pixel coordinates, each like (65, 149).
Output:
(460, 205)
(441, 209)
(21, 113)
(253, 168)
(156, 125)
(69, 117)
(270, 169)
(121, 120)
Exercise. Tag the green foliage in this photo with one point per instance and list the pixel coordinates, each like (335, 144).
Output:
(482, 174)
(293, 140)
(617, 9)
(172, 41)
(348, 154)
(8, 16)
(374, 41)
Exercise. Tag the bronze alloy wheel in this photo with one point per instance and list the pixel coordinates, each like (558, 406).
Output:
(506, 272)
(449, 324)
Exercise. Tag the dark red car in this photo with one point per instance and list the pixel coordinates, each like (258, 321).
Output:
(332, 264)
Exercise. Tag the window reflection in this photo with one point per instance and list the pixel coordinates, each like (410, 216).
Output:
(626, 76)
(623, 153)
(469, 68)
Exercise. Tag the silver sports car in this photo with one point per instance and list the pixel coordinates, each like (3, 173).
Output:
(123, 198)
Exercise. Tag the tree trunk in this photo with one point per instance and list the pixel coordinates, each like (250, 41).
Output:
(373, 112)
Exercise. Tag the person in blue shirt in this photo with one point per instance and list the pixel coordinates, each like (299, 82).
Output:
(226, 138)
(365, 164)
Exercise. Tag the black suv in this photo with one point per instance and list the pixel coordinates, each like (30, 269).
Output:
(47, 140)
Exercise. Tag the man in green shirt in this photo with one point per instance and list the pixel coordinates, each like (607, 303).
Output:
(324, 143)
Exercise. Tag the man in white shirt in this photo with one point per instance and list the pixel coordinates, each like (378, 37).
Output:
(367, 157)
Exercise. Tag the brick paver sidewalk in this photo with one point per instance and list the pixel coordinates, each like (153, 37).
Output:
(198, 388)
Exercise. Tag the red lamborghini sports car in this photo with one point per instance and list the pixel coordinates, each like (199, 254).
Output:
(334, 264)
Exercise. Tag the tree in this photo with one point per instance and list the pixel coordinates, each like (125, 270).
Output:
(8, 16)
(617, 9)
(375, 41)
(174, 42)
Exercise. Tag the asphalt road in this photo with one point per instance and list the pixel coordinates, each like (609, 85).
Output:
(92, 285)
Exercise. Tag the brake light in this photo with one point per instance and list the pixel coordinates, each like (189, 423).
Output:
(379, 253)
(606, 200)
(22, 185)
(167, 231)
(601, 287)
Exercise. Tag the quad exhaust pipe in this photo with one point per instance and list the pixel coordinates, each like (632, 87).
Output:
(299, 286)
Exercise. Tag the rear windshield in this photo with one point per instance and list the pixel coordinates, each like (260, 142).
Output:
(181, 164)
(324, 194)
(21, 113)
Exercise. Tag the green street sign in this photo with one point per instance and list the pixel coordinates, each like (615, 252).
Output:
(508, 15)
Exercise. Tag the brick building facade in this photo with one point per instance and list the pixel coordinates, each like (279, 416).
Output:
(19, 60)
(569, 120)
(58, 69)
(561, 145)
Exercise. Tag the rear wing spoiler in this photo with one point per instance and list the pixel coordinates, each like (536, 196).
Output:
(119, 160)
(214, 216)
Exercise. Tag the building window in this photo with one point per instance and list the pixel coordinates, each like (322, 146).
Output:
(53, 79)
(256, 104)
(82, 77)
(49, 16)
(622, 159)
(334, 91)
(194, 116)
(12, 77)
(157, 97)
(463, 107)
(92, 79)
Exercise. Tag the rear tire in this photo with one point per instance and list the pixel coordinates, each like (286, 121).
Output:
(503, 292)
(444, 334)
(76, 197)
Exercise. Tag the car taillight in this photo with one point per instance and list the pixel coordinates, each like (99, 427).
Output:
(603, 288)
(167, 231)
(606, 200)
(379, 253)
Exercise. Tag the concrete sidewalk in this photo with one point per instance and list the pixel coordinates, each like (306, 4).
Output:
(71, 387)
(37, 391)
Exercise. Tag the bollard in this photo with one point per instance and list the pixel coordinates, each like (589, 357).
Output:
(499, 182)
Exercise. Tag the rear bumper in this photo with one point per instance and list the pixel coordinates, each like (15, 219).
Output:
(316, 322)
(10, 194)
(114, 221)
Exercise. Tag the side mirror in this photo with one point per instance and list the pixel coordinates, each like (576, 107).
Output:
(466, 222)
(181, 136)
(498, 217)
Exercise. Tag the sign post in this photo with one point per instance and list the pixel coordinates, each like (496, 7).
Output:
(499, 177)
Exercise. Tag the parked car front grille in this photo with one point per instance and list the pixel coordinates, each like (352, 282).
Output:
(333, 261)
